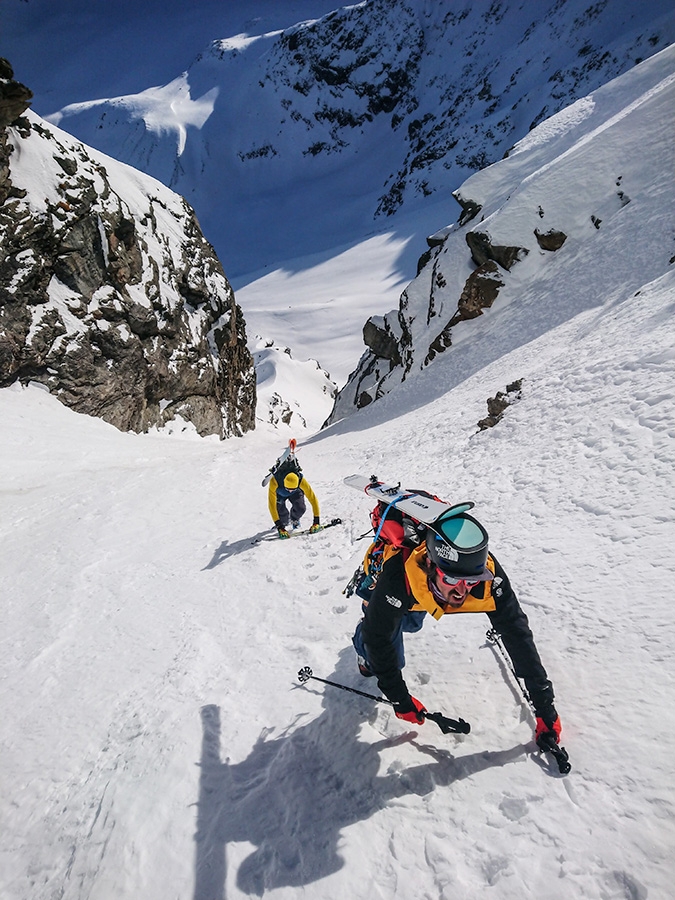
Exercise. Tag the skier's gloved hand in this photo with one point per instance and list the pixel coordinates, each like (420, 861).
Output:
(548, 729)
(410, 711)
(315, 527)
(283, 533)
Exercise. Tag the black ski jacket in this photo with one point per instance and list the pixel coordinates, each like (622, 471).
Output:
(382, 615)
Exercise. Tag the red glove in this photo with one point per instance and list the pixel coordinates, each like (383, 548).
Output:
(413, 712)
(543, 728)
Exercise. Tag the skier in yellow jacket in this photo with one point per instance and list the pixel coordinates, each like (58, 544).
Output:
(294, 489)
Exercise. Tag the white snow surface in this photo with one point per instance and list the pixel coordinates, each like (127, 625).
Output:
(155, 740)
(137, 609)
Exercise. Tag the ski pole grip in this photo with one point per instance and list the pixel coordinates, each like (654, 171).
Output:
(447, 725)
(548, 744)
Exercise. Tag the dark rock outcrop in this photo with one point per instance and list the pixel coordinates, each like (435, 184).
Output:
(498, 404)
(482, 249)
(15, 97)
(470, 208)
(479, 293)
(381, 341)
(109, 293)
(550, 240)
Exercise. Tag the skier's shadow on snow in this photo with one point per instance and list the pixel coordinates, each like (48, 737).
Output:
(228, 549)
(294, 793)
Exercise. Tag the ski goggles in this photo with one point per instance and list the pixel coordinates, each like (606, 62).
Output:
(455, 580)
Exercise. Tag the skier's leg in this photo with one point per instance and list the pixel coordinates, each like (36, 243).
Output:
(298, 506)
(282, 512)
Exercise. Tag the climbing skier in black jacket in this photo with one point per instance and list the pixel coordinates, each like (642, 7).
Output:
(450, 572)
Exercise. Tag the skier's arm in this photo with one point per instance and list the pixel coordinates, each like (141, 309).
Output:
(272, 499)
(311, 496)
(512, 624)
(382, 619)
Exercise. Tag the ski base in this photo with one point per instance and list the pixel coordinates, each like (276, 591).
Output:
(423, 509)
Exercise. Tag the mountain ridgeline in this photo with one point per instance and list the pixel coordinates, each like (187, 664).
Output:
(393, 102)
(111, 296)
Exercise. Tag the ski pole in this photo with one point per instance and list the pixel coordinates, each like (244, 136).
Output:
(545, 742)
(495, 638)
(447, 725)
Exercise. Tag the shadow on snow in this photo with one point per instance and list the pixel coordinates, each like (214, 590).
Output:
(232, 548)
(294, 793)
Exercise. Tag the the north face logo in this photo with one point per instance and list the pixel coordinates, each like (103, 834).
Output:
(445, 551)
(394, 601)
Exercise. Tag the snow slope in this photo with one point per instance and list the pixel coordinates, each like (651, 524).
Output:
(156, 742)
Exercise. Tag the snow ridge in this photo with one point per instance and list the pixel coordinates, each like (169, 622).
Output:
(384, 104)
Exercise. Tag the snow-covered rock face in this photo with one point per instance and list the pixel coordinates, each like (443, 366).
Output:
(109, 293)
(389, 101)
(294, 393)
(555, 225)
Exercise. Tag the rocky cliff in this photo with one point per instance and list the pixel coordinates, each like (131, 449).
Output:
(110, 295)
(580, 209)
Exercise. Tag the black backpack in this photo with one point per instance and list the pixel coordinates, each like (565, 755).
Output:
(290, 464)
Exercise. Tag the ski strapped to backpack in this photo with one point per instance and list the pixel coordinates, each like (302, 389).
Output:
(399, 520)
(287, 462)
(420, 506)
